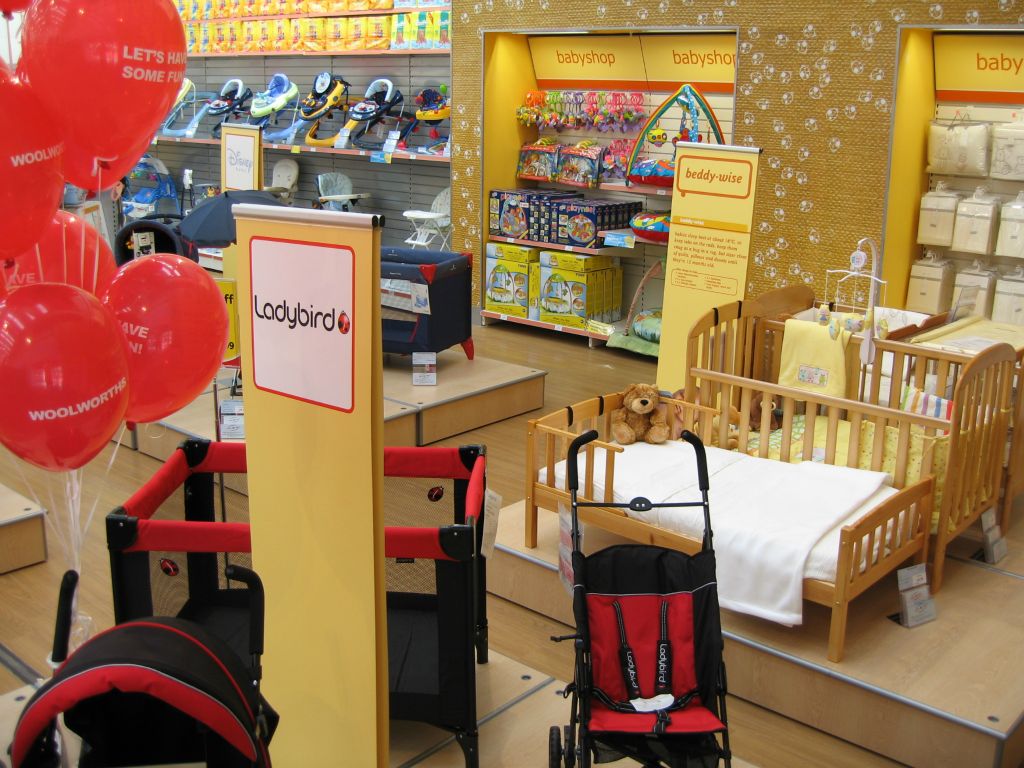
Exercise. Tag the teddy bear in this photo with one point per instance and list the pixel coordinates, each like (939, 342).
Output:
(639, 418)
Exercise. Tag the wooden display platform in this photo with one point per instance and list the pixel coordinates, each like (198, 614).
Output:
(468, 394)
(945, 693)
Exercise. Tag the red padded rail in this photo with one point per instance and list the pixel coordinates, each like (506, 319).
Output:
(414, 543)
(425, 462)
(185, 536)
(220, 457)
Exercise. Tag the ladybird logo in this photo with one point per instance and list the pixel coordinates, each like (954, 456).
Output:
(297, 316)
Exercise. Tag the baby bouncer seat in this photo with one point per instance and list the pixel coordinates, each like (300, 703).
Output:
(432, 224)
(335, 192)
(284, 181)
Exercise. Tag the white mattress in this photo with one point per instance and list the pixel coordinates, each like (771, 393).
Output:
(668, 473)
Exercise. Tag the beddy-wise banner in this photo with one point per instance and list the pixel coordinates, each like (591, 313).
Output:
(708, 246)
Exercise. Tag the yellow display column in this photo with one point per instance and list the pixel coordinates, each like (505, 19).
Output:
(309, 312)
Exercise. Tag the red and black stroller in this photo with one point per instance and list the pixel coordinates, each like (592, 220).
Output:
(179, 687)
(649, 677)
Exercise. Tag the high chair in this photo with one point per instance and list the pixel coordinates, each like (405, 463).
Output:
(335, 192)
(428, 225)
(284, 180)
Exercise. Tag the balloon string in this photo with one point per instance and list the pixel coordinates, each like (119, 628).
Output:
(10, 42)
(103, 480)
(63, 534)
(39, 263)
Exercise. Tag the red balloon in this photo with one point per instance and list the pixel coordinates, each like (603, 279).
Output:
(70, 251)
(129, 56)
(65, 375)
(175, 327)
(31, 155)
(8, 7)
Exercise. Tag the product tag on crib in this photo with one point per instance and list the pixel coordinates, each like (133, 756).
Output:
(565, 572)
(424, 368)
(492, 508)
(917, 606)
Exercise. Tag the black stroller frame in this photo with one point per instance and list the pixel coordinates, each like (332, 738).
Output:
(648, 635)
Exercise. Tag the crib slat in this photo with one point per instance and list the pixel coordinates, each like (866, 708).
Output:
(878, 447)
(831, 436)
(588, 476)
(902, 454)
(788, 406)
(899, 362)
(745, 400)
(853, 448)
(609, 476)
(549, 458)
(766, 423)
(810, 420)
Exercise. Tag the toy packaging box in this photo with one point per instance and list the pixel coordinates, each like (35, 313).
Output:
(575, 262)
(423, 28)
(184, 9)
(378, 33)
(443, 39)
(203, 41)
(578, 221)
(335, 33)
(513, 252)
(404, 3)
(318, 6)
(400, 31)
(248, 8)
(508, 284)
(570, 298)
(381, 5)
(580, 166)
(538, 162)
(517, 212)
(313, 34)
(339, 6)
(359, 5)
(281, 37)
(356, 39)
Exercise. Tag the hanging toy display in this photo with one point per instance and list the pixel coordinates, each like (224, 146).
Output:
(659, 171)
(602, 111)
(613, 164)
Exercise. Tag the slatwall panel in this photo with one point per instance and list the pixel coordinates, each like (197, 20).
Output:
(1002, 188)
(400, 186)
(636, 265)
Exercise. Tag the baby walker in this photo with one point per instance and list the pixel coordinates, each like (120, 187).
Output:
(232, 104)
(146, 200)
(280, 93)
(330, 93)
(188, 96)
(433, 106)
(381, 98)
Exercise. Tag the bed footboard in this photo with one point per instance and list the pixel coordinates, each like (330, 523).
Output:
(871, 548)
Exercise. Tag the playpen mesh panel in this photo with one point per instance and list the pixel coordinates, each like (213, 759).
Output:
(420, 503)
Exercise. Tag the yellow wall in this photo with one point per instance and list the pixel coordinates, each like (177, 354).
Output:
(915, 107)
(508, 75)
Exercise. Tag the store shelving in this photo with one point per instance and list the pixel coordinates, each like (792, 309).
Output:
(359, 52)
(398, 154)
(327, 14)
(556, 246)
(629, 233)
(584, 332)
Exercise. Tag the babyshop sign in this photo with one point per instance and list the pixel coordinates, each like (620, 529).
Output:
(644, 62)
(987, 69)
(302, 342)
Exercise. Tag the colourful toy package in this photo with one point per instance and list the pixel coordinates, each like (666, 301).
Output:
(297, 32)
(568, 297)
(248, 8)
(378, 33)
(265, 38)
(184, 9)
(400, 31)
(523, 213)
(335, 33)
(443, 39)
(539, 161)
(190, 38)
(511, 277)
(204, 43)
(313, 34)
(250, 36)
(381, 5)
(359, 5)
(318, 6)
(356, 38)
(423, 26)
(339, 6)
(282, 37)
(580, 165)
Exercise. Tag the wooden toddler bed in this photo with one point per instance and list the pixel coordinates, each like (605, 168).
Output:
(972, 463)
(869, 547)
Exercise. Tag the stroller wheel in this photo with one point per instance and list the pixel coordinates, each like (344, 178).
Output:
(570, 747)
(554, 747)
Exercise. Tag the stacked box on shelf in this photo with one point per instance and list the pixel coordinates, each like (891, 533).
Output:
(579, 221)
(575, 288)
(512, 280)
(519, 213)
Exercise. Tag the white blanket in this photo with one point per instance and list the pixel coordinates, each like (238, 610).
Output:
(766, 515)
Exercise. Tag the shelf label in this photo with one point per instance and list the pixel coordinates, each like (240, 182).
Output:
(341, 140)
(380, 157)
(295, 149)
(394, 136)
(619, 240)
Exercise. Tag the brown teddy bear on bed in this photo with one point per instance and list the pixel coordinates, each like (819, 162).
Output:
(639, 418)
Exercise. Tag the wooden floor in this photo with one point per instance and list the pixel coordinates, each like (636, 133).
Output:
(575, 371)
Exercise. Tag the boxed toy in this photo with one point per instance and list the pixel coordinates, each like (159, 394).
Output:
(538, 161)
(235, 34)
(443, 39)
(516, 212)
(423, 25)
(281, 38)
(567, 297)
(250, 35)
(400, 31)
(534, 293)
(248, 8)
(203, 35)
(356, 38)
(339, 6)
(575, 262)
(508, 286)
(513, 252)
(580, 165)
(190, 38)
(318, 6)
(579, 221)
(381, 5)
(297, 32)
(207, 10)
(335, 33)
(359, 5)
(313, 34)
(404, 3)
(378, 33)
(184, 8)
(265, 36)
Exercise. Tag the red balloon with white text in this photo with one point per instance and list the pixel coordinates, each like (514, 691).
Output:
(175, 327)
(70, 251)
(31, 155)
(64, 374)
(129, 56)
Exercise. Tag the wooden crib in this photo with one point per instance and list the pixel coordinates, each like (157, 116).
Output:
(735, 340)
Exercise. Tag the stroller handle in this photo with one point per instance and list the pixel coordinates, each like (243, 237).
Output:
(65, 604)
(702, 459)
(256, 604)
(574, 448)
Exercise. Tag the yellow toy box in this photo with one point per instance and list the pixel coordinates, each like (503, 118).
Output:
(359, 5)
(575, 262)
(184, 8)
(250, 35)
(194, 10)
(313, 34)
(203, 38)
(335, 33)
(381, 5)
(207, 10)
(378, 33)
(190, 39)
(318, 6)
(338, 6)
(235, 33)
(508, 285)
(281, 39)
(443, 38)
(568, 297)
(513, 252)
(264, 35)
(534, 293)
(248, 8)
(356, 39)
(400, 31)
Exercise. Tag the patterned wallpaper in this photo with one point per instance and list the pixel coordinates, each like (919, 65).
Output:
(815, 83)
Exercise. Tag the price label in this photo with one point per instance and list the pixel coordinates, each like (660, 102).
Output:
(389, 146)
(619, 239)
(380, 157)
(394, 136)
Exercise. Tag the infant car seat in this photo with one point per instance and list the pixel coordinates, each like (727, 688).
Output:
(280, 91)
